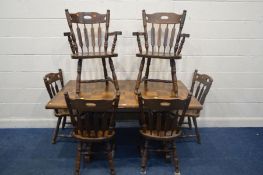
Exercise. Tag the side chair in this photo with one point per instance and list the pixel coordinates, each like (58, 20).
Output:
(95, 123)
(156, 124)
(54, 83)
(201, 84)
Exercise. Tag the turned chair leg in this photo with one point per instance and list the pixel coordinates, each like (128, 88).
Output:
(55, 133)
(139, 78)
(189, 122)
(196, 131)
(166, 151)
(110, 158)
(176, 161)
(147, 71)
(174, 78)
(105, 71)
(78, 76)
(78, 159)
(114, 77)
(64, 121)
(144, 158)
(88, 155)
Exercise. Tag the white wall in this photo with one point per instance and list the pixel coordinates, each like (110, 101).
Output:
(226, 42)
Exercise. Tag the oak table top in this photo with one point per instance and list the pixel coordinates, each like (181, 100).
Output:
(128, 100)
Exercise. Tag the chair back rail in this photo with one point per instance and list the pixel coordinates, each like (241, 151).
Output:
(201, 84)
(156, 118)
(94, 118)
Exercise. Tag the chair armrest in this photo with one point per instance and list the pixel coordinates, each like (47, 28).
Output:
(66, 33)
(72, 44)
(185, 35)
(138, 33)
(115, 33)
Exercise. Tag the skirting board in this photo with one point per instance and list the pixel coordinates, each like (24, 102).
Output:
(202, 122)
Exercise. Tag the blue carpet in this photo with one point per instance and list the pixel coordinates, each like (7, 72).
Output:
(224, 151)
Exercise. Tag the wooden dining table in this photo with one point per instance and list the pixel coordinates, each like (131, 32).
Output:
(128, 99)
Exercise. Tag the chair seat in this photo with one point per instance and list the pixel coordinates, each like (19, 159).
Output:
(92, 137)
(90, 55)
(189, 113)
(159, 55)
(192, 113)
(62, 113)
(154, 135)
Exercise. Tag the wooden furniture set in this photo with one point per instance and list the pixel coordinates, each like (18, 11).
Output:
(92, 104)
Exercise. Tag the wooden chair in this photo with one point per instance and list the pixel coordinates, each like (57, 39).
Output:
(157, 124)
(162, 44)
(88, 38)
(95, 123)
(54, 83)
(200, 87)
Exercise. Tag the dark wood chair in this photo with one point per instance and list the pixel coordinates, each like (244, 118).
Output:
(95, 123)
(201, 84)
(166, 42)
(54, 83)
(89, 39)
(157, 123)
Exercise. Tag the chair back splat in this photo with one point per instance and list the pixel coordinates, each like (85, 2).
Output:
(201, 84)
(156, 119)
(95, 119)
(87, 30)
(54, 82)
(164, 30)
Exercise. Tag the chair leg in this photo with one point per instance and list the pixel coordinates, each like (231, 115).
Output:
(110, 158)
(78, 158)
(144, 158)
(174, 78)
(88, 155)
(189, 122)
(147, 71)
(78, 76)
(196, 130)
(176, 161)
(105, 70)
(114, 77)
(166, 151)
(139, 78)
(55, 133)
(64, 122)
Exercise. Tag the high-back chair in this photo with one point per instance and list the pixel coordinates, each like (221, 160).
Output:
(163, 39)
(95, 123)
(54, 83)
(89, 39)
(157, 124)
(201, 84)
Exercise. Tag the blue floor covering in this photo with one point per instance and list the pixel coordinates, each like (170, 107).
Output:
(223, 151)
